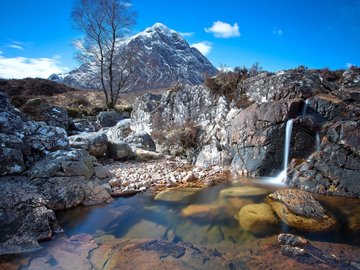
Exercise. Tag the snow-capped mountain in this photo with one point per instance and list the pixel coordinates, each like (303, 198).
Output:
(162, 58)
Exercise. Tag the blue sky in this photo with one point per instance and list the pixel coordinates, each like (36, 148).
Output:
(36, 35)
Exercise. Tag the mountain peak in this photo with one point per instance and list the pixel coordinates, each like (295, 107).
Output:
(159, 27)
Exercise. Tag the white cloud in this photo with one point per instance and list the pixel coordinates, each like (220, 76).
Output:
(204, 47)
(223, 30)
(187, 34)
(14, 46)
(349, 65)
(278, 32)
(22, 67)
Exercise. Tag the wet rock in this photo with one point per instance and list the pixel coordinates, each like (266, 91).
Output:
(336, 168)
(190, 177)
(140, 141)
(120, 131)
(119, 150)
(94, 142)
(299, 209)
(175, 195)
(247, 191)
(291, 240)
(157, 254)
(108, 118)
(258, 218)
(306, 253)
(257, 138)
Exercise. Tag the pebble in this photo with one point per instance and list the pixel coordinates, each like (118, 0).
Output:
(140, 176)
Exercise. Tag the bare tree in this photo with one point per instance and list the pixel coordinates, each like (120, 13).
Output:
(104, 23)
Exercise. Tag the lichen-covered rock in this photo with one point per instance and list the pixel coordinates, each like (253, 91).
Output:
(63, 163)
(24, 141)
(94, 142)
(120, 131)
(183, 120)
(298, 209)
(258, 218)
(283, 85)
(77, 126)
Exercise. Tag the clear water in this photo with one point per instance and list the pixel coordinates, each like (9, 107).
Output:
(143, 217)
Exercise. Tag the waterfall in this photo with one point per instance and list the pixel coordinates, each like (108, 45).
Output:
(305, 107)
(282, 176)
(317, 141)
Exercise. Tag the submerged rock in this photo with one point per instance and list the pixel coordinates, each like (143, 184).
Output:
(258, 218)
(298, 209)
(243, 192)
(176, 195)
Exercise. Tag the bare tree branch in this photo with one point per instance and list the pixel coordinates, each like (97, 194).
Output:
(104, 23)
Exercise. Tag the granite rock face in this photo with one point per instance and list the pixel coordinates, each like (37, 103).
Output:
(257, 137)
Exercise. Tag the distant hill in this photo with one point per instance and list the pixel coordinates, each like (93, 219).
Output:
(162, 59)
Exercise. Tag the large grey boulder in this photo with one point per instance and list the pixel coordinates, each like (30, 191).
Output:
(140, 141)
(93, 142)
(108, 118)
(63, 163)
(119, 150)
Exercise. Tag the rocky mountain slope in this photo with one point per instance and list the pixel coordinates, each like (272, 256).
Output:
(161, 58)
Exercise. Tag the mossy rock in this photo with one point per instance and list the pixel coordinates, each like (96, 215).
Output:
(258, 218)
